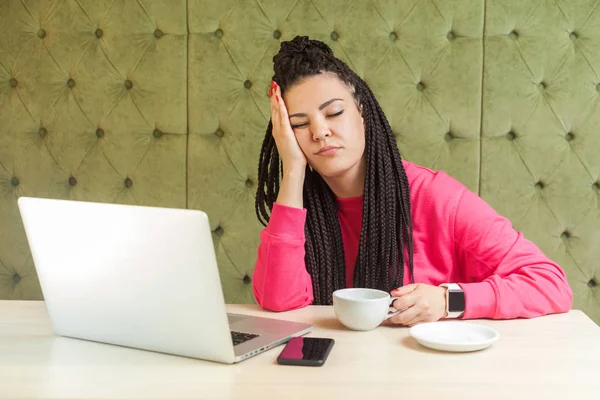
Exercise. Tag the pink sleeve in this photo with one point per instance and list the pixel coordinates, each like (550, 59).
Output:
(507, 276)
(280, 280)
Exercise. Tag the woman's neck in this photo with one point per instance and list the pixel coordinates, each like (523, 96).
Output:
(351, 183)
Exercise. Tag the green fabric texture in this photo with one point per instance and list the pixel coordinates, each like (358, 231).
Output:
(166, 104)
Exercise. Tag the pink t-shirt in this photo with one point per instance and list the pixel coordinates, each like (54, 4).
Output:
(458, 238)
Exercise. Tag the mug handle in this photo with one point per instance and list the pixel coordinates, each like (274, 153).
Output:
(395, 312)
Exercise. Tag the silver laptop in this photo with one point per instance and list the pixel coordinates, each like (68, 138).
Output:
(141, 277)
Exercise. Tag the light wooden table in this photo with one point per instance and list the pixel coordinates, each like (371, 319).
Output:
(553, 357)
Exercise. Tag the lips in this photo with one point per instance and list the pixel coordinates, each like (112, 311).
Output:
(327, 150)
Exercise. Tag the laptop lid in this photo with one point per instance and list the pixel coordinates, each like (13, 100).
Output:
(136, 276)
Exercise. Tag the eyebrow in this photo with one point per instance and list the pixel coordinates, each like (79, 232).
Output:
(322, 106)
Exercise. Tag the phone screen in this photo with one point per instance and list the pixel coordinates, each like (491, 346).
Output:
(306, 351)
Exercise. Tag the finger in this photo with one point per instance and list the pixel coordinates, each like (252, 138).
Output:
(274, 112)
(272, 88)
(427, 314)
(418, 319)
(405, 316)
(274, 118)
(404, 302)
(272, 94)
(404, 290)
(281, 103)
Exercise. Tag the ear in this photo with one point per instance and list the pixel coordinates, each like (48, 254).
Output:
(361, 111)
(362, 115)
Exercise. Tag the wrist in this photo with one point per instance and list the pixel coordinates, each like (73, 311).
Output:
(443, 291)
(291, 189)
(295, 173)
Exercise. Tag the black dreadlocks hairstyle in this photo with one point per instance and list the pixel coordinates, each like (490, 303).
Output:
(386, 234)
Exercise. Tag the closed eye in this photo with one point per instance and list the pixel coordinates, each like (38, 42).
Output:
(337, 114)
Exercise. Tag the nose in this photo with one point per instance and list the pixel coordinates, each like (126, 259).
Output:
(320, 131)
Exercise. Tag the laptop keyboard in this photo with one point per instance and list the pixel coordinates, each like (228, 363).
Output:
(241, 337)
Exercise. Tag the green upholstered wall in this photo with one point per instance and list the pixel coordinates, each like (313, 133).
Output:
(165, 103)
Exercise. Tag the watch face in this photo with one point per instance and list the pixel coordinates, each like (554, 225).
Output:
(456, 301)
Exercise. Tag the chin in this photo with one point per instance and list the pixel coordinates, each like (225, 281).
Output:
(330, 171)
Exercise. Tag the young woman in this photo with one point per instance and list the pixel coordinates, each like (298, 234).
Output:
(349, 212)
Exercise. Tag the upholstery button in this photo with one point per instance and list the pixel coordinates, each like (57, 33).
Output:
(249, 183)
(573, 35)
(511, 136)
(596, 186)
(420, 86)
(451, 36)
(14, 181)
(41, 33)
(246, 280)
(157, 133)
(16, 278)
(540, 185)
(128, 84)
(218, 231)
(99, 33)
(448, 136)
(598, 87)
(219, 133)
(13, 82)
(71, 83)
(542, 85)
(42, 132)
(99, 133)
(158, 33)
(72, 181)
(513, 35)
(334, 36)
(247, 84)
(393, 36)
(277, 34)
(570, 136)
(219, 33)
(592, 283)
(128, 182)
(566, 235)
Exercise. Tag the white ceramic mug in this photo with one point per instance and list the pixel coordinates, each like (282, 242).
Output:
(363, 309)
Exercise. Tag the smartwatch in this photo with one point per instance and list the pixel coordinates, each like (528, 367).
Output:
(455, 300)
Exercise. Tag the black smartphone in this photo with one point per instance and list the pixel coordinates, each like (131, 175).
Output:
(306, 351)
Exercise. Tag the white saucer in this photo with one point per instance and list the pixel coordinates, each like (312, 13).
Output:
(454, 335)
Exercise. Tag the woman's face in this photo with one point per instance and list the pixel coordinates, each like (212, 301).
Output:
(327, 123)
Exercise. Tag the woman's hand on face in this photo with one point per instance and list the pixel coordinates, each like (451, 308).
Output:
(419, 303)
(289, 150)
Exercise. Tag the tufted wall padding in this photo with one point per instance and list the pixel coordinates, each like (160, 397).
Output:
(165, 103)
(540, 139)
(92, 107)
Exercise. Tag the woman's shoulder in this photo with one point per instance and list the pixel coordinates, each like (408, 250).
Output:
(431, 185)
(418, 174)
